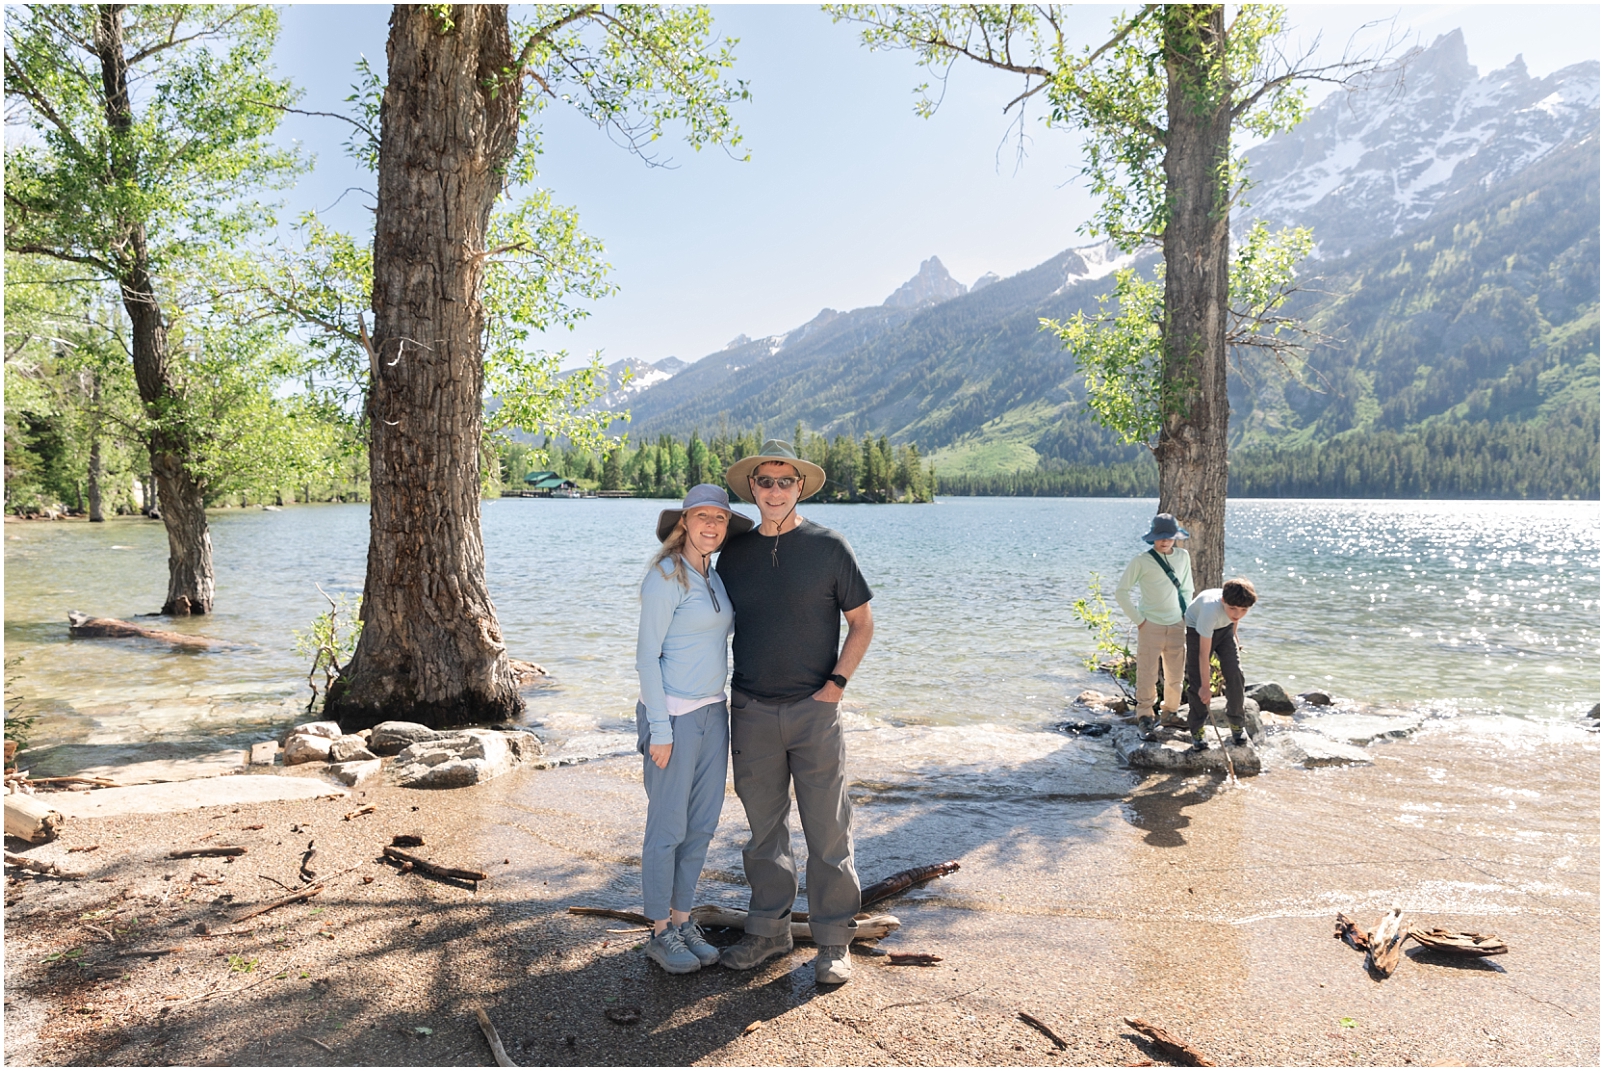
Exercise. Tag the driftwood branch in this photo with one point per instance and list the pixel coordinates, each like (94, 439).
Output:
(903, 880)
(1052, 1036)
(192, 853)
(1386, 943)
(31, 819)
(98, 782)
(40, 867)
(869, 926)
(1169, 1045)
(301, 894)
(1350, 931)
(1464, 944)
(913, 959)
(608, 913)
(502, 1059)
(435, 868)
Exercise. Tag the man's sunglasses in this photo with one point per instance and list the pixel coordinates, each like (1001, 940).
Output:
(784, 483)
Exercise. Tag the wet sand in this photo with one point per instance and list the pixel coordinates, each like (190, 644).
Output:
(1087, 893)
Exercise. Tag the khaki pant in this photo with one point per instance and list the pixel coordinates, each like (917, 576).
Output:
(774, 748)
(1155, 642)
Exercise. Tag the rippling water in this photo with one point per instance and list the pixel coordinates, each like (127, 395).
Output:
(1452, 608)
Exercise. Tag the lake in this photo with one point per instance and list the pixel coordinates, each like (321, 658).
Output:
(1445, 608)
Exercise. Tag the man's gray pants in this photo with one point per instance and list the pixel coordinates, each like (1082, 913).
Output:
(683, 802)
(772, 747)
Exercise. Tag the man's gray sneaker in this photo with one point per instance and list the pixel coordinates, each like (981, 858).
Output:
(668, 951)
(692, 934)
(753, 949)
(833, 965)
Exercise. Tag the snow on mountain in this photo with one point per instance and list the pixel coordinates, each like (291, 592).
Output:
(1367, 164)
(643, 376)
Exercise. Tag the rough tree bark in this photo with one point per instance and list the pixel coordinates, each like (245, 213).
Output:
(190, 584)
(431, 649)
(1191, 447)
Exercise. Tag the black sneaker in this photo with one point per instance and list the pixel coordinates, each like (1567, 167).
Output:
(1199, 744)
(1147, 726)
(1238, 738)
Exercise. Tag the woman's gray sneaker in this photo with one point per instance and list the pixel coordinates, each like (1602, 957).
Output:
(753, 949)
(668, 951)
(692, 935)
(833, 965)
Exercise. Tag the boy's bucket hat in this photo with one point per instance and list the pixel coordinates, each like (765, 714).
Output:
(1164, 527)
(773, 450)
(703, 494)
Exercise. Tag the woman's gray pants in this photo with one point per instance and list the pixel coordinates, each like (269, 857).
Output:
(683, 802)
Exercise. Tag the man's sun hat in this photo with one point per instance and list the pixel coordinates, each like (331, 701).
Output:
(773, 450)
(703, 494)
(1164, 527)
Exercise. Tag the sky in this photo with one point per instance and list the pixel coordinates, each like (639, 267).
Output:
(847, 191)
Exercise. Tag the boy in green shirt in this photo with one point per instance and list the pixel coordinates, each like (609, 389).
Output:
(1162, 581)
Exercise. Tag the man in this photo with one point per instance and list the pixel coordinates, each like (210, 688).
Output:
(1162, 580)
(1211, 623)
(791, 581)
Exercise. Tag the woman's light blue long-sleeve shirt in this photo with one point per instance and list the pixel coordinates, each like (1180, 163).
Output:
(682, 648)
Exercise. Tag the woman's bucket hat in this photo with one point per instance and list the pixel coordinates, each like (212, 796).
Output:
(773, 450)
(1164, 527)
(703, 494)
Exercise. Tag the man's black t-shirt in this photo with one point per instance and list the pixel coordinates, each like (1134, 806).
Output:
(788, 615)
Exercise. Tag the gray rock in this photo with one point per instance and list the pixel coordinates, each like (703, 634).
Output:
(463, 758)
(350, 748)
(1592, 715)
(1311, 750)
(306, 747)
(1176, 755)
(1316, 699)
(390, 737)
(354, 773)
(1360, 729)
(1250, 716)
(1272, 697)
(526, 746)
(330, 729)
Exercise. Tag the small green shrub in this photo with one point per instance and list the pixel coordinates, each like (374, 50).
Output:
(1112, 650)
(330, 642)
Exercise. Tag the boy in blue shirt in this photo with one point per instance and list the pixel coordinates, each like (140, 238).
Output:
(1211, 623)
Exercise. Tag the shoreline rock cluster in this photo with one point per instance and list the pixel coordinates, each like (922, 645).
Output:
(422, 757)
(1293, 730)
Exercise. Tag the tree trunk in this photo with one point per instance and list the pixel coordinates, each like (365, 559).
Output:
(190, 583)
(431, 648)
(95, 507)
(1191, 447)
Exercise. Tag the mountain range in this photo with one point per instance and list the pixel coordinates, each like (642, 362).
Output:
(1456, 276)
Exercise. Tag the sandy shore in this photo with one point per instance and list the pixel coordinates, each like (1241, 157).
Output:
(1083, 897)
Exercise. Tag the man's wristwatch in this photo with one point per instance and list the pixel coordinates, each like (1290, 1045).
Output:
(838, 680)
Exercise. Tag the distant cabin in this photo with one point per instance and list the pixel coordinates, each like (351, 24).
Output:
(547, 484)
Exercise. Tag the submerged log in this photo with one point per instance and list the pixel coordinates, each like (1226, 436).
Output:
(31, 819)
(903, 880)
(1464, 944)
(1169, 1045)
(80, 626)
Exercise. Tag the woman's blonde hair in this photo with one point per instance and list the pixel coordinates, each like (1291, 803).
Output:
(674, 547)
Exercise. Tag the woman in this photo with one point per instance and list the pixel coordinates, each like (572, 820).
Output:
(682, 717)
